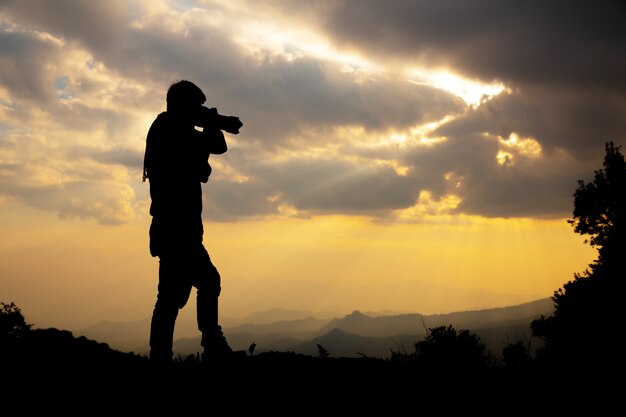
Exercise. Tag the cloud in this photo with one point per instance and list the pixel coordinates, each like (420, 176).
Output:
(23, 59)
(563, 62)
(92, 23)
(56, 103)
(334, 123)
(551, 43)
(108, 202)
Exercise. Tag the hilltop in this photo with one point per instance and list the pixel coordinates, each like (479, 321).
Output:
(60, 372)
(48, 362)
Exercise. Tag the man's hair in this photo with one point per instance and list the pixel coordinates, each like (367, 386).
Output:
(183, 94)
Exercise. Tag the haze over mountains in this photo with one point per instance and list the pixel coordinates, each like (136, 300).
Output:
(356, 334)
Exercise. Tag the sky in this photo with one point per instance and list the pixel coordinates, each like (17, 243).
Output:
(396, 156)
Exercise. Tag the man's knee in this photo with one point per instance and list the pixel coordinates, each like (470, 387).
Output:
(172, 298)
(209, 288)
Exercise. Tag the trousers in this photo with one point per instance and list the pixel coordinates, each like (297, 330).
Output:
(179, 272)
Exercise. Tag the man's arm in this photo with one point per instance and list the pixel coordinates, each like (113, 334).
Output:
(214, 141)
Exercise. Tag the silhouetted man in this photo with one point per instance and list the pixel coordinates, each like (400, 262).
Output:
(176, 162)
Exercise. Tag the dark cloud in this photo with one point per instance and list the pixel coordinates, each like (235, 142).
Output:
(93, 23)
(230, 201)
(577, 121)
(292, 96)
(333, 185)
(23, 59)
(518, 194)
(562, 61)
(528, 187)
(318, 186)
(553, 42)
(276, 97)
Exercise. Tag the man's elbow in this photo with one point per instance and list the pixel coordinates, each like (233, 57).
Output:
(219, 150)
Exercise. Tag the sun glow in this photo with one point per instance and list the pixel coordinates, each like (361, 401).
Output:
(474, 93)
(516, 147)
(265, 40)
(526, 146)
(428, 206)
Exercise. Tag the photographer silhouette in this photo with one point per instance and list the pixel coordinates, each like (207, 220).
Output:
(176, 162)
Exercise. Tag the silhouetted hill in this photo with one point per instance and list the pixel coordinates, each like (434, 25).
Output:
(380, 334)
(386, 326)
(126, 336)
(516, 314)
(53, 371)
(496, 327)
(61, 371)
(43, 347)
(360, 324)
(133, 336)
(305, 325)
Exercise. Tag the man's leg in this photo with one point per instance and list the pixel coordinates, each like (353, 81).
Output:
(209, 288)
(173, 293)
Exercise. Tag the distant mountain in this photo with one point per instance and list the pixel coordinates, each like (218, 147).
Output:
(373, 335)
(358, 323)
(308, 324)
(133, 336)
(275, 315)
(125, 336)
(517, 314)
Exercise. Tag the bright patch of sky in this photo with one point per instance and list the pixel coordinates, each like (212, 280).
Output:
(473, 92)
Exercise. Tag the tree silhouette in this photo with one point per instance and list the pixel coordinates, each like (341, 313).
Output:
(517, 355)
(446, 348)
(12, 322)
(600, 209)
(583, 331)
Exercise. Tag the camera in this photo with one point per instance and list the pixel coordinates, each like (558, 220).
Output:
(209, 117)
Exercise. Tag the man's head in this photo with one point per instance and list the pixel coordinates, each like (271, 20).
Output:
(184, 97)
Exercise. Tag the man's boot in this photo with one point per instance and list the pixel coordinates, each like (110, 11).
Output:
(215, 345)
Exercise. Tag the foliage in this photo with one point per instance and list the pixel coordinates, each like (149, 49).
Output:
(12, 322)
(600, 207)
(517, 355)
(592, 300)
(445, 347)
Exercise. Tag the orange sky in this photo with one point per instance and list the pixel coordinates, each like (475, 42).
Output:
(75, 273)
(390, 159)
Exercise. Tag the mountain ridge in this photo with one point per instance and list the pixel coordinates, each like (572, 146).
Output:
(377, 334)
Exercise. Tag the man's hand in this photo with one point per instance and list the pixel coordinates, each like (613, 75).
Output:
(205, 116)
